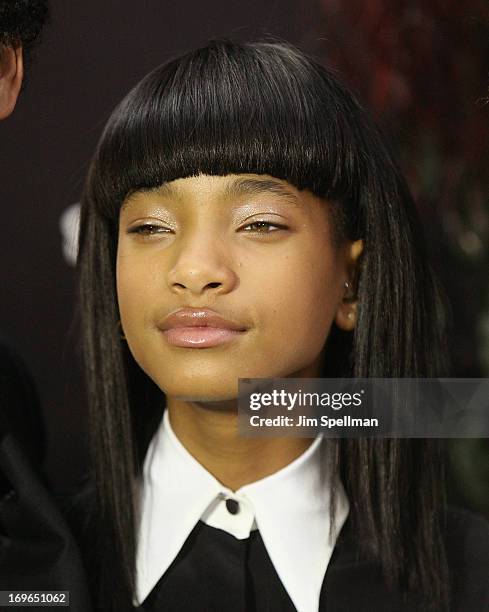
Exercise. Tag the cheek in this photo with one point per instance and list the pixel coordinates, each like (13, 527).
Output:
(301, 297)
(135, 288)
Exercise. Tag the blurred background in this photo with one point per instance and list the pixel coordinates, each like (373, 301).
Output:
(421, 67)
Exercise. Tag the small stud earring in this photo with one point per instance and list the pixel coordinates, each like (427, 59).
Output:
(348, 297)
(350, 315)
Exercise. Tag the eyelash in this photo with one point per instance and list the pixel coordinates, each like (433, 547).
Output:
(269, 224)
(148, 229)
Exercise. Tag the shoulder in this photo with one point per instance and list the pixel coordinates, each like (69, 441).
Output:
(467, 535)
(467, 544)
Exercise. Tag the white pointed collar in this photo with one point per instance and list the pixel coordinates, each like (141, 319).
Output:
(290, 508)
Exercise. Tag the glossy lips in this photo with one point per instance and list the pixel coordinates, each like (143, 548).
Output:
(199, 328)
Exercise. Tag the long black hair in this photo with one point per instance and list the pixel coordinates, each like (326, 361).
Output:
(266, 108)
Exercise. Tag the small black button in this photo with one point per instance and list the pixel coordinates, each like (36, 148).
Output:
(232, 506)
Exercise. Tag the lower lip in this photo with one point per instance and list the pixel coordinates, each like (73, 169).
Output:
(200, 337)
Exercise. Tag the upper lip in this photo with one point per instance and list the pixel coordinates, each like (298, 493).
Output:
(198, 317)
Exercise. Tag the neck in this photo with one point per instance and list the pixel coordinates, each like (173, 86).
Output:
(211, 436)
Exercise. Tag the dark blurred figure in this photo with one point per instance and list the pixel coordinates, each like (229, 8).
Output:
(21, 22)
(37, 550)
(20, 25)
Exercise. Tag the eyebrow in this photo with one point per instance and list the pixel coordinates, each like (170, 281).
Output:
(238, 187)
(257, 186)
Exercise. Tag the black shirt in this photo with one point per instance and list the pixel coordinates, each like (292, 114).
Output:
(215, 572)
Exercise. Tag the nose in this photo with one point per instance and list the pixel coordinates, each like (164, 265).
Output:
(202, 264)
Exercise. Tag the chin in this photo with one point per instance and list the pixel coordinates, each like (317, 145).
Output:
(200, 390)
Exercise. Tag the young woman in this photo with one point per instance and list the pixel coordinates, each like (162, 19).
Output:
(244, 218)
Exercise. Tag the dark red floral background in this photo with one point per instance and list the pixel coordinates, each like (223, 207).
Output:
(423, 69)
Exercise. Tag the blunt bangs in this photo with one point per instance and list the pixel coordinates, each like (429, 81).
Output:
(229, 108)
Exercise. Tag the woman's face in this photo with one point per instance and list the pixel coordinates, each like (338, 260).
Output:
(252, 248)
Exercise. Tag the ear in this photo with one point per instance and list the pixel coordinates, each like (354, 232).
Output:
(11, 75)
(346, 313)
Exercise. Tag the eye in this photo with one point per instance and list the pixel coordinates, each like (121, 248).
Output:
(263, 227)
(147, 229)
